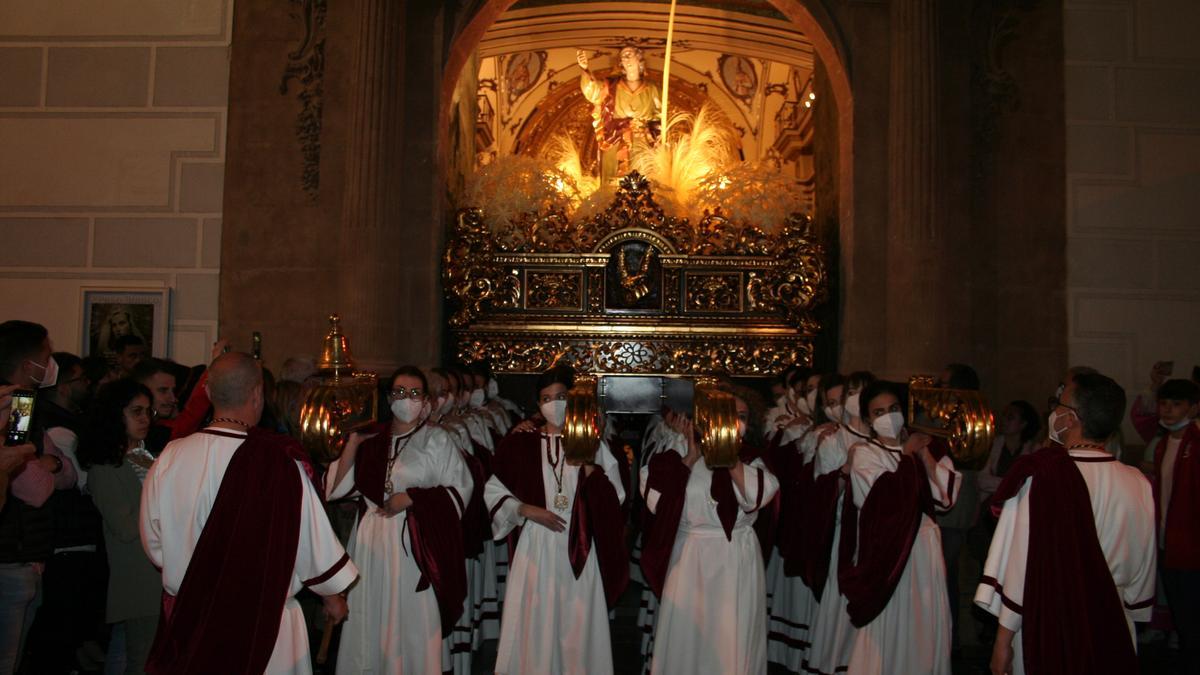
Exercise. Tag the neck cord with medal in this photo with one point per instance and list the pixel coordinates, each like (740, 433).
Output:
(397, 448)
(560, 499)
(1088, 446)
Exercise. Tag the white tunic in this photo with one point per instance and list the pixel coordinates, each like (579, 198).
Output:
(487, 572)
(552, 622)
(392, 628)
(177, 497)
(479, 427)
(1123, 505)
(712, 618)
(912, 633)
(831, 633)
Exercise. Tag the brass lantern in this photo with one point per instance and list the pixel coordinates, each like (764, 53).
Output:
(581, 429)
(342, 402)
(960, 416)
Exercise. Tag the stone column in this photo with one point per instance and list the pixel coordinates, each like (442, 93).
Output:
(917, 269)
(370, 291)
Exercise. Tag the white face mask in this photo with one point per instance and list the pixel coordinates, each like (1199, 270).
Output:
(889, 425)
(477, 399)
(781, 400)
(834, 413)
(555, 412)
(1178, 425)
(408, 409)
(493, 389)
(1053, 432)
(852, 410)
(446, 405)
(810, 401)
(741, 428)
(49, 376)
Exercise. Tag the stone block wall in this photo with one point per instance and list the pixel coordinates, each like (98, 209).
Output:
(112, 148)
(1133, 185)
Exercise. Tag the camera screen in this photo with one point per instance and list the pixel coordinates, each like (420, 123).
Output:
(22, 413)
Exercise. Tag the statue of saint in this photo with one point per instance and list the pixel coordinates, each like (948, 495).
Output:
(625, 112)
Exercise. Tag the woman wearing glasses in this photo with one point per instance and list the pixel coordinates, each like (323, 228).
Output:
(566, 531)
(113, 451)
(412, 485)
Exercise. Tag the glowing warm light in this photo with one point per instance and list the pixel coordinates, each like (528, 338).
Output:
(812, 96)
(808, 104)
(685, 159)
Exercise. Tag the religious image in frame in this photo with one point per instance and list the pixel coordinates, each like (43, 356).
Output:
(739, 76)
(110, 313)
(522, 71)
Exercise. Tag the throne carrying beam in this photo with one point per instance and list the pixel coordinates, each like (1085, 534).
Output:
(632, 291)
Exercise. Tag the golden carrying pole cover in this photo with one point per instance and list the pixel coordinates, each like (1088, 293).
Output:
(342, 402)
(581, 430)
(960, 416)
(716, 424)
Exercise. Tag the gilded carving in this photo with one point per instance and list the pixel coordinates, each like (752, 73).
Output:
(714, 292)
(632, 290)
(657, 356)
(799, 286)
(471, 277)
(554, 290)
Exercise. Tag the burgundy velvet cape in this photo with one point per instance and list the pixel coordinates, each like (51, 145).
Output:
(669, 476)
(1072, 620)
(434, 528)
(820, 513)
(475, 526)
(596, 517)
(885, 529)
(226, 616)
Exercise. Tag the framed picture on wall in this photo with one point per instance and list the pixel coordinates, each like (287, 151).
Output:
(110, 313)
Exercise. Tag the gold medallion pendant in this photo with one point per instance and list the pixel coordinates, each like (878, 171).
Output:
(560, 502)
(387, 488)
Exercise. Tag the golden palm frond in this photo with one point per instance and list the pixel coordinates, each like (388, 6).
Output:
(694, 148)
(562, 151)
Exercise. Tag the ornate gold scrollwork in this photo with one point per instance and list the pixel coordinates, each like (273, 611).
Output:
(799, 284)
(650, 356)
(469, 274)
(714, 292)
(554, 290)
(717, 296)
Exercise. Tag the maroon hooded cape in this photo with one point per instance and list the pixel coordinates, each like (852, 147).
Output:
(434, 528)
(226, 616)
(596, 518)
(1072, 617)
(885, 527)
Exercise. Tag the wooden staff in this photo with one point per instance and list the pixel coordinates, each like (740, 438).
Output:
(326, 636)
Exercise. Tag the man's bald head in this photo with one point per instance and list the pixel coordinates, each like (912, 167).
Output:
(233, 379)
